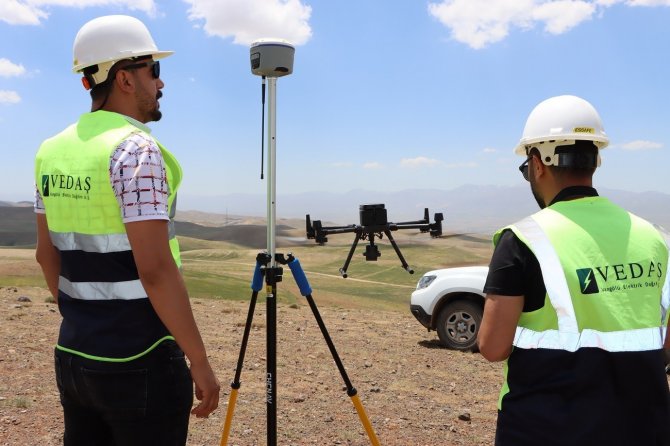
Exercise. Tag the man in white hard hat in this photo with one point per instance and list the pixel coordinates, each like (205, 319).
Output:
(577, 300)
(105, 200)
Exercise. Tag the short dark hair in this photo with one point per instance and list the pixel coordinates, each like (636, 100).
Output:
(575, 160)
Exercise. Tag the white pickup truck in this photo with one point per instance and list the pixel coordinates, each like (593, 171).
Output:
(451, 301)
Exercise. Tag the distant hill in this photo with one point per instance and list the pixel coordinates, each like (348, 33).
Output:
(478, 209)
(17, 225)
(252, 236)
(467, 209)
(18, 229)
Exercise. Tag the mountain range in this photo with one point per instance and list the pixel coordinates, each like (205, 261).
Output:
(467, 209)
(477, 209)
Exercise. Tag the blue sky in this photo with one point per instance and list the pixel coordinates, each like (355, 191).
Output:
(385, 95)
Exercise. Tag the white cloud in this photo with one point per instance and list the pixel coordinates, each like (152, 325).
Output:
(17, 12)
(249, 20)
(489, 150)
(373, 165)
(9, 69)
(479, 23)
(419, 161)
(559, 16)
(32, 12)
(640, 144)
(9, 97)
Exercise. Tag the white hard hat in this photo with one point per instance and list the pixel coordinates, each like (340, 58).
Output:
(105, 40)
(561, 120)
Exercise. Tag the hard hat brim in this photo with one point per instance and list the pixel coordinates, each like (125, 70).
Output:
(600, 142)
(155, 54)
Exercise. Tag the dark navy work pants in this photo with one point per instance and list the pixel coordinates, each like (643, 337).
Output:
(146, 401)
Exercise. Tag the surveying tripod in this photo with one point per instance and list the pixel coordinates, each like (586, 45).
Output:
(272, 59)
(273, 275)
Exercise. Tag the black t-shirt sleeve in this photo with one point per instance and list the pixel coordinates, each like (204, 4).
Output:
(514, 271)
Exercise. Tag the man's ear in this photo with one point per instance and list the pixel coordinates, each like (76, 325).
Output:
(538, 166)
(124, 81)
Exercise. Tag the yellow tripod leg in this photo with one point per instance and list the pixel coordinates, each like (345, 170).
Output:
(364, 419)
(229, 417)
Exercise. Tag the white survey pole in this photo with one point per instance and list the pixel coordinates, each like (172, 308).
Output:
(272, 169)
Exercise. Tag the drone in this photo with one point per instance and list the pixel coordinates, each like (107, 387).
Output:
(373, 223)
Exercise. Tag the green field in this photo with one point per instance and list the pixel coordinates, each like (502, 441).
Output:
(223, 270)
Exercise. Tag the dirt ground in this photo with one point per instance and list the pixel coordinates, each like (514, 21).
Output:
(414, 392)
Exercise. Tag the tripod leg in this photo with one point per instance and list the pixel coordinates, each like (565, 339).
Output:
(256, 285)
(405, 266)
(306, 290)
(235, 385)
(271, 348)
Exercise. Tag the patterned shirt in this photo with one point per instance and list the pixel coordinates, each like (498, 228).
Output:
(137, 176)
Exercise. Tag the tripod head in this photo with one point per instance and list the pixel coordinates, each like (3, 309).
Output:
(373, 223)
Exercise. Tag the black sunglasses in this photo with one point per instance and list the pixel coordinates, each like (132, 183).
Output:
(153, 64)
(523, 168)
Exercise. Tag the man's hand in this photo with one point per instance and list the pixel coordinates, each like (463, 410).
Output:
(207, 389)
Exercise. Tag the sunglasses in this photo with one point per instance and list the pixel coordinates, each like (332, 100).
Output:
(153, 64)
(523, 168)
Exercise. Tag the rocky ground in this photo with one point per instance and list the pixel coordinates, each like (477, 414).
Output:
(414, 391)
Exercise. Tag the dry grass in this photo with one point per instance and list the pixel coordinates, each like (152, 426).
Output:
(413, 390)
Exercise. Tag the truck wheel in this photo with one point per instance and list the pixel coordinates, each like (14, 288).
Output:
(458, 324)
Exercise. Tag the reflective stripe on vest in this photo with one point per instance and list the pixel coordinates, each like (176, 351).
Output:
(72, 242)
(568, 337)
(67, 241)
(103, 243)
(129, 290)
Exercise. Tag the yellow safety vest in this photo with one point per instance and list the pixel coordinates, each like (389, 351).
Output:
(99, 284)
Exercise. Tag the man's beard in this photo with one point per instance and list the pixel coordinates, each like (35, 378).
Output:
(156, 114)
(150, 106)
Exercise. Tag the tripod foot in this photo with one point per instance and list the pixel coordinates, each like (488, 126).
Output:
(374, 441)
(229, 415)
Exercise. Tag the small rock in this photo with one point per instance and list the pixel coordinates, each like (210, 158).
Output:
(24, 299)
(299, 399)
(465, 416)
(329, 419)
(375, 390)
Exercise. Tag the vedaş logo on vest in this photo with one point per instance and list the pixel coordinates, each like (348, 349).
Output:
(587, 281)
(65, 186)
(619, 277)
